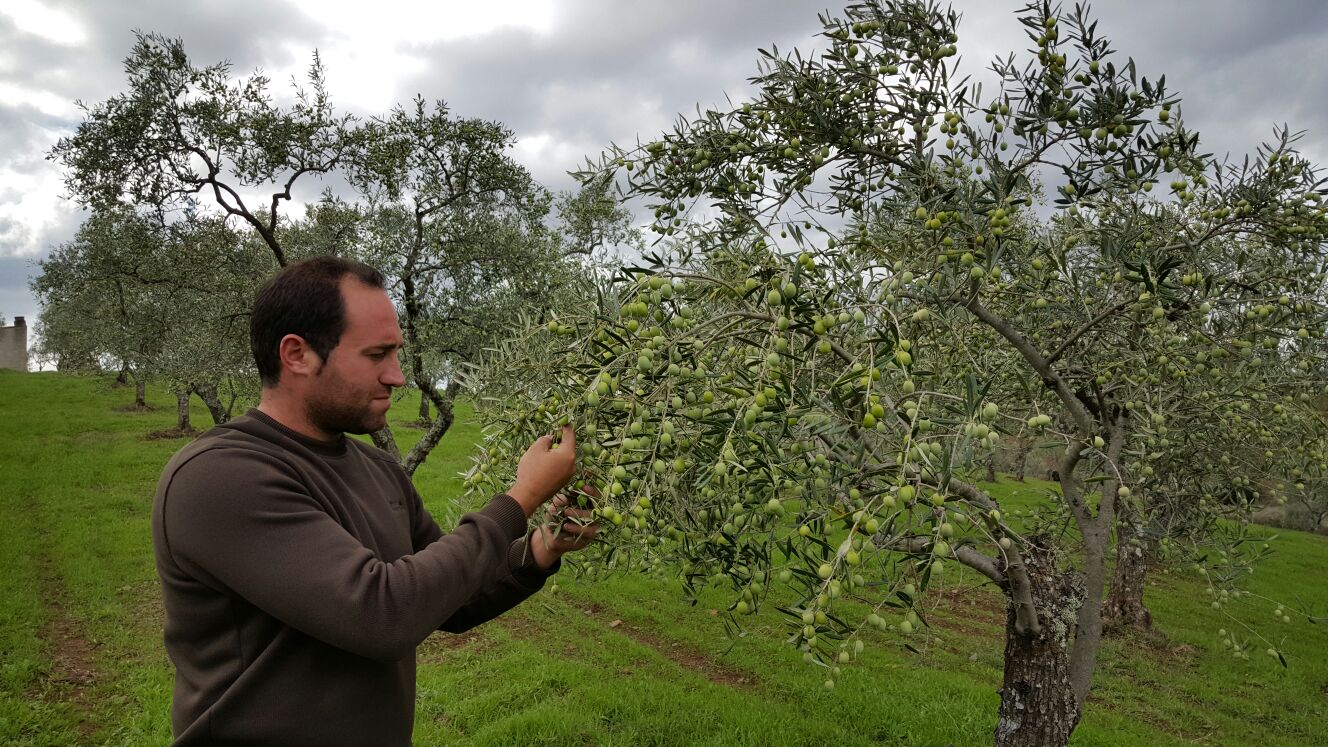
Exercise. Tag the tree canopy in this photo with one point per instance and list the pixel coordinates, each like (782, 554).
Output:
(860, 291)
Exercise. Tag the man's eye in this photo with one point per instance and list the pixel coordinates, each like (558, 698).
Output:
(378, 356)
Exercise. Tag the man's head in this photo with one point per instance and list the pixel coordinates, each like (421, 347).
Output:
(325, 335)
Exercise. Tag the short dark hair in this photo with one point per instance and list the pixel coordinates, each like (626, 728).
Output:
(303, 299)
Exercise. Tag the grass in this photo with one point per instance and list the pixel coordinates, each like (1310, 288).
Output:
(622, 661)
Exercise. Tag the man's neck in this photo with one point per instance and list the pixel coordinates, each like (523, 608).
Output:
(292, 415)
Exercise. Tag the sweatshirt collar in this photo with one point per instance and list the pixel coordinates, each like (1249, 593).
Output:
(335, 447)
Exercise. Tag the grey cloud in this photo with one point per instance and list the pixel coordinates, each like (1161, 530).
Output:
(15, 299)
(25, 135)
(12, 234)
(610, 71)
(16, 237)
(248, 33)
(15, 272)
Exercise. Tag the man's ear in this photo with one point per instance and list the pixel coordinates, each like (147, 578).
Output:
(298, 357)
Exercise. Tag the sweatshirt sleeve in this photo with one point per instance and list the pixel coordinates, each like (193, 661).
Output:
(259, 533)
(525, 577)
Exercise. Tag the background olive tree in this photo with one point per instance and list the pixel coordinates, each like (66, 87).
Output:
(162, 302)
(459, 228)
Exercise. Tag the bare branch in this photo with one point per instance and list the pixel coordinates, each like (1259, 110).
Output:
(1088, 326)
(1083, 419)
(984, 564)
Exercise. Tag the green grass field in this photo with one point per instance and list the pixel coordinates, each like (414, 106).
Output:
(625, 661)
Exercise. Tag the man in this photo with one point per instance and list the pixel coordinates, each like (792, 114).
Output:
(298, 566)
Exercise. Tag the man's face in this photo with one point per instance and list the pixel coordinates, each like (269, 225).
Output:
(351, 392)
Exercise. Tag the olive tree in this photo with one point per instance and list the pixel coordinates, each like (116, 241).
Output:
(458, 227)
(184, 135)
(594, 225)
(166, 302)
(797, 390)
(93, 306)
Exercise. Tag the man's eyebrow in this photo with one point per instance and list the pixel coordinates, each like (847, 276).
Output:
(384, 346)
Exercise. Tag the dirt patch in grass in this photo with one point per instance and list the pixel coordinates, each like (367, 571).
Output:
(975, 602)
(690, 658)
(171, 433)
(1150, 643)
(520, 626)
(439, 645)
(682, 654)
(968, 611)
(72, 672)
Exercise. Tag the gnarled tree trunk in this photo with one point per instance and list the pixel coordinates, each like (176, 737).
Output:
(440, 425)
(208, 393)
(424, 408)
(1021, 461)
(1125, 601)
(140, 393)
(1038, 705)
(384, 440)
(182, 423)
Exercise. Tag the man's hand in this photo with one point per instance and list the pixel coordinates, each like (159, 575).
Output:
(554, 539)
(544, 470)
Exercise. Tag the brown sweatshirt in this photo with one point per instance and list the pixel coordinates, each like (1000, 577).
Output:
(299, 577)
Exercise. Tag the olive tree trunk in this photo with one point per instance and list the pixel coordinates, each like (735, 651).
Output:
(1053, 624)
(140, 393)
(442, 401)
(182, 423)
(438, 427)
(424, 407)
(1125, 603)
(208, 393)
(1021, 461)
(1038, 703)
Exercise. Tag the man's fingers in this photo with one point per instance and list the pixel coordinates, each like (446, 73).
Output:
(578, 521)
(578, 495)
(571, 527)
(577, 534)
(544, 442)
(586, 533)
(569, 436)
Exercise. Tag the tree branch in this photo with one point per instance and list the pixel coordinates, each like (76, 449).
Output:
(1088, 326)
(1019, 587)
(1053, 381)
(984, 564)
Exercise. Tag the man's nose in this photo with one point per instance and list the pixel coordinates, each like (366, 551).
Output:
(394, 376)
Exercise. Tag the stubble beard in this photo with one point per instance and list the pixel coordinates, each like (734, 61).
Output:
(335, 409)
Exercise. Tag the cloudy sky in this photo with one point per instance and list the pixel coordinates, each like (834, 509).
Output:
(570, 76)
